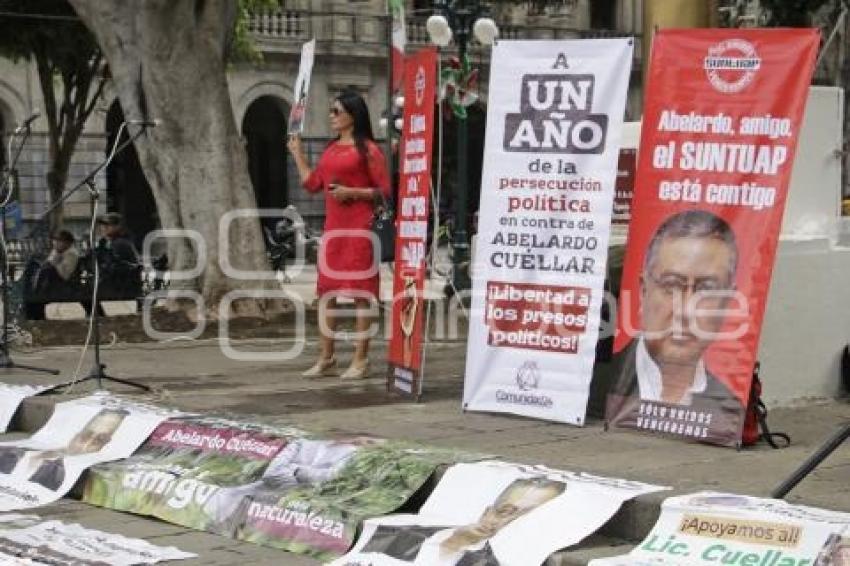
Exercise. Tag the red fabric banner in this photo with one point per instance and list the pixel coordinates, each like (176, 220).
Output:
(723, 111)
(412, 208)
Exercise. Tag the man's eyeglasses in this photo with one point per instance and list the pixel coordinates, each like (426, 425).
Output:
(677, 286)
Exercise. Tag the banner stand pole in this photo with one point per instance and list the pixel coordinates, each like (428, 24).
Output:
(424, 347)
(812, 462)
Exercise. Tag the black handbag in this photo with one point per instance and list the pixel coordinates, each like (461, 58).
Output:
(383, 226)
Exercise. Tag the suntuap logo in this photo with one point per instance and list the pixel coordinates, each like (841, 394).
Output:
(555, 116)
(731, 65)
(527, 380)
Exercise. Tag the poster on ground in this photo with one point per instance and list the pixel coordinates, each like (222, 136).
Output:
(494, 513)
(404, 368)
(554, 122)
(80, 433)
(722, 115)
(722, 528)
(302, 88)
(10, 398)
(30, 540)
(271, 486)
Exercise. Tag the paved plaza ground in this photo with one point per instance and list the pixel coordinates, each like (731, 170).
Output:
(198, 376)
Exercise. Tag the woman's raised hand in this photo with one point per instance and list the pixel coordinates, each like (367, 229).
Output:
(294, 145)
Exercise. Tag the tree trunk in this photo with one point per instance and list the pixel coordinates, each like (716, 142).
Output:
(57, 178)
(167, 61)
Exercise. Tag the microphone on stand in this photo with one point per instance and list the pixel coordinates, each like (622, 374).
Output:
(27, 122)
(144, 123)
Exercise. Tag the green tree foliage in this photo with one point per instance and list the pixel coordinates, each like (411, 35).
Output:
(241, 46)
(68, 62)
(71, 69)
(791, 13)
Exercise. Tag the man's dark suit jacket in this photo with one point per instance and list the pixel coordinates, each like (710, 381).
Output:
(50, 474)
(623, 401)
(404, 543)
(401, 543)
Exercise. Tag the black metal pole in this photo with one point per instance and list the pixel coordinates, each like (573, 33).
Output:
(90, 177)
(8, 186)
(812, 462)
(97, 369)
(460, 255)
(390, 94)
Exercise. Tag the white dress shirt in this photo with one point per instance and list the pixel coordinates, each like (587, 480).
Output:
(649, 377)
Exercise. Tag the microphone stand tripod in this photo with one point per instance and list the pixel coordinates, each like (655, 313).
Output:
(98, 370)
(813, 461)
(6, 361)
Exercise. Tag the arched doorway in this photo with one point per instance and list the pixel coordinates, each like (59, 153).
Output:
(127, 190)
(264, 129)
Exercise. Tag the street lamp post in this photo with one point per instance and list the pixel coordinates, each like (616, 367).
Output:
(460, 18)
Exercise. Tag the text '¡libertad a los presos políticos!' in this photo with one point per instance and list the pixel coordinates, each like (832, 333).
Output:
(536, 317)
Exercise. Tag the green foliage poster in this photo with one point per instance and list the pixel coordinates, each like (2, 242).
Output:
(272, 486)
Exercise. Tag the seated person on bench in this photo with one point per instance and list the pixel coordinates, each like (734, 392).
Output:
(118, 262)
(56, 273)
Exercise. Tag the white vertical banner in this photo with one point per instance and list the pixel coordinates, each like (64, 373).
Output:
(554, 121)
(302, 88)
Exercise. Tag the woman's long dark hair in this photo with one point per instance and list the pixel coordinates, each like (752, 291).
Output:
(356, 107)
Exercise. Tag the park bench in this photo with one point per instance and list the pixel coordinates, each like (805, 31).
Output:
(123, 283)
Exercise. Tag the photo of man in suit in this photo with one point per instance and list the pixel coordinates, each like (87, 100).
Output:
(467, 545)
(836, 552)
(687, 280)
(47, 467)
(841, 554)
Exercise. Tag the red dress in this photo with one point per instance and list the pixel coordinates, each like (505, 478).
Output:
(345, 259)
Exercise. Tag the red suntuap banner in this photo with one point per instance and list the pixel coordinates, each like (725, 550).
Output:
(723, 111)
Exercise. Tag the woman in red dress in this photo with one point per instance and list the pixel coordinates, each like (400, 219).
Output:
(352, 174)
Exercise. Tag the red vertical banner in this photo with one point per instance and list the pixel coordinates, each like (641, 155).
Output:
(723, 111)
(412, 208)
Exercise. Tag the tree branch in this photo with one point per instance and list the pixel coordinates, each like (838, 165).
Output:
(45, 78)
(87, 110)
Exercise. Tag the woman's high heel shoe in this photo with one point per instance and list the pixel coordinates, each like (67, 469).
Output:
(322, 368)
(356, 371)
